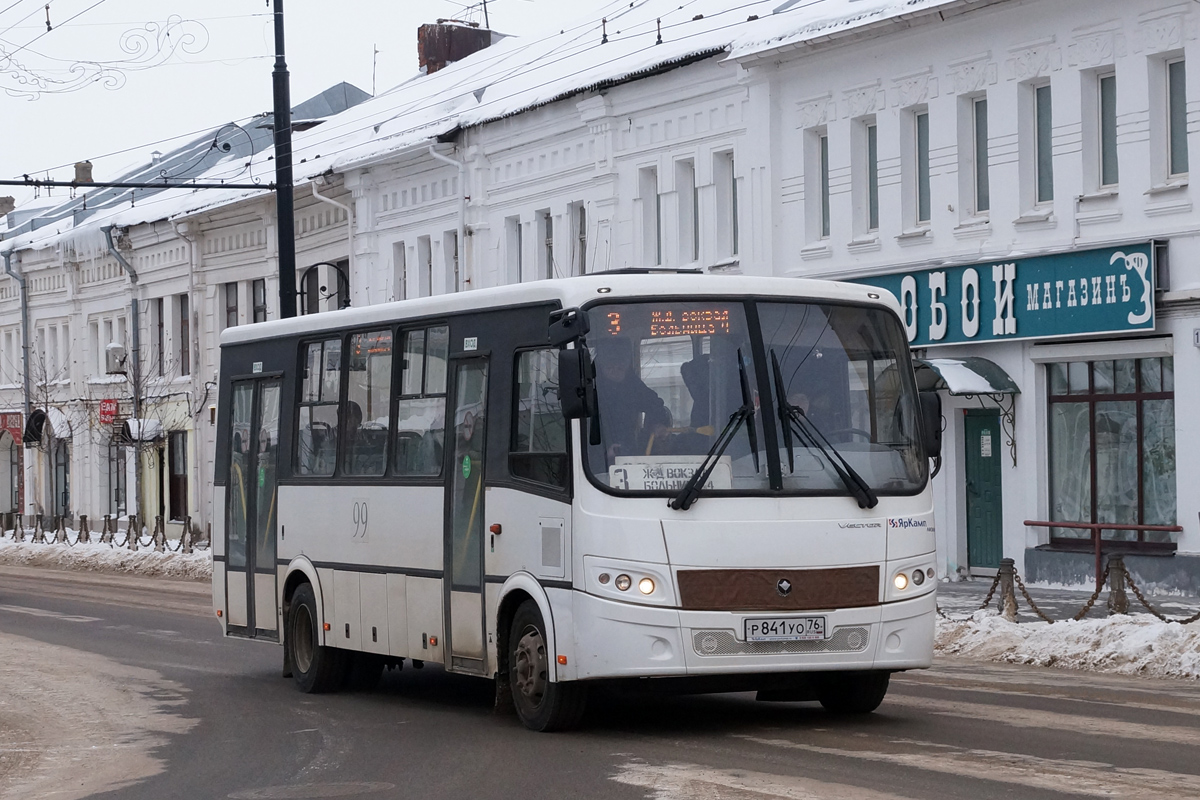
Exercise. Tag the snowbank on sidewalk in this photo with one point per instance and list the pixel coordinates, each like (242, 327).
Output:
(1124, 645)
(94, 557)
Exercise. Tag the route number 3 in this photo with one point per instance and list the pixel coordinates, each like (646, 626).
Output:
(359, 519)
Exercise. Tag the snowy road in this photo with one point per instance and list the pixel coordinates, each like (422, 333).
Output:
(107, 689)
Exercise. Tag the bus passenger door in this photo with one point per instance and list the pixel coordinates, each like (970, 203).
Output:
(251, 513)
(464, 518)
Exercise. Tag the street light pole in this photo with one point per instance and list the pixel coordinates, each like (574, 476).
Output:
(283, 175)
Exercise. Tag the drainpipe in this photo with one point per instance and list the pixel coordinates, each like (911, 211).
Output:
(349, 228)
(20, 279)
(196, 489)
(136, 356)
(462, 211)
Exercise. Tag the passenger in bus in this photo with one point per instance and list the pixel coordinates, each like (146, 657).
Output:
(632, 415)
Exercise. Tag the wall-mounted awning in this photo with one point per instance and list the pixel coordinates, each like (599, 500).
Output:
(142, 430)
(963, 376)
(974, 377)
(42, 418)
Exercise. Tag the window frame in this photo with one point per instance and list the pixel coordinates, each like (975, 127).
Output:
(1092, 398)
(1176, 117)
(399, 333)
(514, 425)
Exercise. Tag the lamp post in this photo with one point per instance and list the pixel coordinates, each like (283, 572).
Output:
(283, 174)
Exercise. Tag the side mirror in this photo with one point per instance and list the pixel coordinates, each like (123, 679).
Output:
(931, 423)
(576, 383)
(567, 325)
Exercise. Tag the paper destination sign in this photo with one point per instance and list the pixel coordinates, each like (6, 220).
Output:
(666, 473)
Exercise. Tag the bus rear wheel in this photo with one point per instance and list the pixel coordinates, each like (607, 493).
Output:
(315, 667)
(852, 692)
(541, 705)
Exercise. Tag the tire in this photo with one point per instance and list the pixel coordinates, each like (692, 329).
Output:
(315, 668)
(852, 692)
(541, 705)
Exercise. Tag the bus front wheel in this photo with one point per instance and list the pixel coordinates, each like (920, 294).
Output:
(315, 667)
(542, 705)
(852, 692)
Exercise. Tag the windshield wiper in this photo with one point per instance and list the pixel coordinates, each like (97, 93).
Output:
(795, 420)
(691, 490)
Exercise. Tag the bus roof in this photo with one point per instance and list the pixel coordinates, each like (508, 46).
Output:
(613, 287)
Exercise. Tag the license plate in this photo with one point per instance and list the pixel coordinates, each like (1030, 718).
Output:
(785, 629)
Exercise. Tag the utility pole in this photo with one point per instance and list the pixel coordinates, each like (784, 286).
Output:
(283, 175)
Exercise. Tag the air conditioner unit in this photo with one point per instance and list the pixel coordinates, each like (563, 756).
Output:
(114, 358)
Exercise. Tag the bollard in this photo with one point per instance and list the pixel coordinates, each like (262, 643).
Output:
(106, 533)
(19, 533)
(185, 538)
(1118, 601)
(159, 537)
(84, 535)
(132, 534)
(1008, 597)
(39, 533)
(60, 530)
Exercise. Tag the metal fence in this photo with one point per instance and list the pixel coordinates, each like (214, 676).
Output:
(34, 529)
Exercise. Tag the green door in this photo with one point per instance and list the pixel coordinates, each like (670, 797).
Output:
(985, 504)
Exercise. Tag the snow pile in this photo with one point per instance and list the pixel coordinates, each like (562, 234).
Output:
(94, 557)
(1125, 645)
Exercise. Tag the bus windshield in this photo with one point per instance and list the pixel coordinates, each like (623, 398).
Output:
(832, 401)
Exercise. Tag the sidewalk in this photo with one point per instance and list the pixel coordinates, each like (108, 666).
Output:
(962, 598)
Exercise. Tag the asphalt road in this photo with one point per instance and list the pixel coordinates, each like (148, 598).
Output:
(122, 688)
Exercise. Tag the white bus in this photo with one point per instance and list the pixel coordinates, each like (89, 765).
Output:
(707, 483)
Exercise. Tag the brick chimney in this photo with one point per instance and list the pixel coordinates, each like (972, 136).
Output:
(83, 172)
(449, 41)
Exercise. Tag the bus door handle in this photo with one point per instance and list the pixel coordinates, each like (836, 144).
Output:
(495, 528)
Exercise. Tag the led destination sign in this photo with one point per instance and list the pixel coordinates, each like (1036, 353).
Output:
(665, 322)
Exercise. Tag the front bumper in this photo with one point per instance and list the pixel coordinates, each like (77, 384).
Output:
(622, 640)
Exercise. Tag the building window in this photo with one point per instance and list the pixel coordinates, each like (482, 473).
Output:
(651, 212)
(231, 305)
(1177, 117)
(545, 225)
(581, 239)
(178, 487)
(185, 336)
(399, 271)
(872, 177)
(1043, 145)
(725, 180)
(824, 145)
(424, 266)
(1112, 449)
(260, 300)
(116, 479)
(512, 230)
(921, 123)
(685, 193)
(1108, 129)
(160, 334)
(980, 141)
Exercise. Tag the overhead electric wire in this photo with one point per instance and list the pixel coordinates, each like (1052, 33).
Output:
(334, 133)
(49, 30)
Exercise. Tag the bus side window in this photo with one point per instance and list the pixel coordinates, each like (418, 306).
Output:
(538, 451)
(421, 409)
(368, 404)
(317, 422)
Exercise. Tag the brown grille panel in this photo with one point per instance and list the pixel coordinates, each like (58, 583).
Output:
(757, 589)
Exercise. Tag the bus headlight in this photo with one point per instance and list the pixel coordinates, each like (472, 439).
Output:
(623, 582)
(918, 577)
(646, 586)
(900, 581)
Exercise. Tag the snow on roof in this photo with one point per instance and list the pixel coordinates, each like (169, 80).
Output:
(517, 74)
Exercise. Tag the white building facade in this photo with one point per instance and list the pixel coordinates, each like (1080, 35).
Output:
(1016, 172)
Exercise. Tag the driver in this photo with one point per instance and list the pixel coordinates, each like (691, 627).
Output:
(628, 407)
